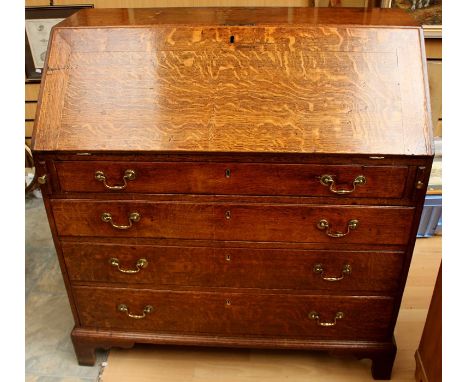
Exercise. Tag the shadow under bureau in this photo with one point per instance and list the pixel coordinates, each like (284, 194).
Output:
(235, 177)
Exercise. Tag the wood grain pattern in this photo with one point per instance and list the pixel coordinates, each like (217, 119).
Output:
(245, 314)
(234, 267)
(190, 3)
(31, 92)
(276, 222)
(51, 94)
(434, 71)
(223, 3)
(433, 48)
(30, 110)
(28, 129)
(321, 89)
(233, 178)
(237, 15)
(198, 364)
(31, 3)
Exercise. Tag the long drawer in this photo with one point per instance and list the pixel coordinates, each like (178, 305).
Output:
(160, 266)
(228, 221)
(233, 178)
(285, 315)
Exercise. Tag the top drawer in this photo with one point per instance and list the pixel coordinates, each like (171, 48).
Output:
(233, 178)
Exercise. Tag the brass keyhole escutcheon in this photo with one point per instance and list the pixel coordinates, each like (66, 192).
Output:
(228, 302)
(227, 173)
(228, 257)
(227, 214)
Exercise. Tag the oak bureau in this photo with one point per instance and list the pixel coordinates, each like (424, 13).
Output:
(236, 177)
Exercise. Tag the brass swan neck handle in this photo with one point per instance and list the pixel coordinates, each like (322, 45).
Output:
(323, 224)
(315, 316)
(132, 217)
(140, 264)
(329, 181)
(146, 310)
(346, 271)
(128, 175)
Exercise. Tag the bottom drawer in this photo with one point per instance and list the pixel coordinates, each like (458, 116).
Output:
(277, 315)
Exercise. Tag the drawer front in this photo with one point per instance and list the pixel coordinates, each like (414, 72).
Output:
(282, 315)
(227, 221)
(161, 266)
(233, 178)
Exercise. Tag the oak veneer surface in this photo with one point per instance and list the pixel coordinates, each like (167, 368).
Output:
(238, 16)
(243, 178)
(241, 80)
(235, 267)
(228, 313)
(265, 222)
(205, 365)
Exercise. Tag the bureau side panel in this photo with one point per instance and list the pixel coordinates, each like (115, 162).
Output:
(45, 167)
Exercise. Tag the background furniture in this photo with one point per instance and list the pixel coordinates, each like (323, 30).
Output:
(429, 354)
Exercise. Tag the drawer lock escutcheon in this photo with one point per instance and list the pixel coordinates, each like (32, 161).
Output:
(329, 181)
(133, 217)
(346, 271)
(140, 264)
(324, 225)
(315, 316)
(128, 175)
(146, 310)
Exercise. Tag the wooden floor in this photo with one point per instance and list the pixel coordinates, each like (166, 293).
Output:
(173, 364)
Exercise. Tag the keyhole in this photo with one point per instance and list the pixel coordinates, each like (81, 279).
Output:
(228, 215)
(227, 173)
(228, 302)
(231, 39)
(228, 257)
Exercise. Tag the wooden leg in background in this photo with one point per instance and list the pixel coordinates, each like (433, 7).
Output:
(420, 373)
(382, 364)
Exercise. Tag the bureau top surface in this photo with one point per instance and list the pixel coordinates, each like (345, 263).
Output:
(270, 80)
